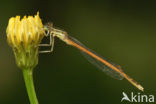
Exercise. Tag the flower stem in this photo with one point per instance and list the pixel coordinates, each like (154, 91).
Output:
(28, 78)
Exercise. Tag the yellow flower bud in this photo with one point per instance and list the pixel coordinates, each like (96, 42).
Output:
(28, 30)
(24, 37)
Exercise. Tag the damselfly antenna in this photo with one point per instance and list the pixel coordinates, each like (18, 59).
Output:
(102, 63)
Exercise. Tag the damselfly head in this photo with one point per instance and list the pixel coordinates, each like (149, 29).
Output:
(49, 24)
(48, 28)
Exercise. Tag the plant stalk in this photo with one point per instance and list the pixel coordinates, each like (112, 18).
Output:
(28, 78)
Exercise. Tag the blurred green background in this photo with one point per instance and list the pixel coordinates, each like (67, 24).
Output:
(122, 31)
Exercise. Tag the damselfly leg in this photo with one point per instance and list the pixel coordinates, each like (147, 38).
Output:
(51, 43)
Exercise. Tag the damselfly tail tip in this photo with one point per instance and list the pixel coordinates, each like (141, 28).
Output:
(140, 88)
(133, 82)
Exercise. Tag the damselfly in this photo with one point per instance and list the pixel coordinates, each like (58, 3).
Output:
(108, 67)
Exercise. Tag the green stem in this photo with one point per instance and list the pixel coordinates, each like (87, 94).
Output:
(28, 78)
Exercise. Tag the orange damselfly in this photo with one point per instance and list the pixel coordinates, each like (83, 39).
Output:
(105, 65)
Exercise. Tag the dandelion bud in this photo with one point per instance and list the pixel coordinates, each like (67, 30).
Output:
(24, 37)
